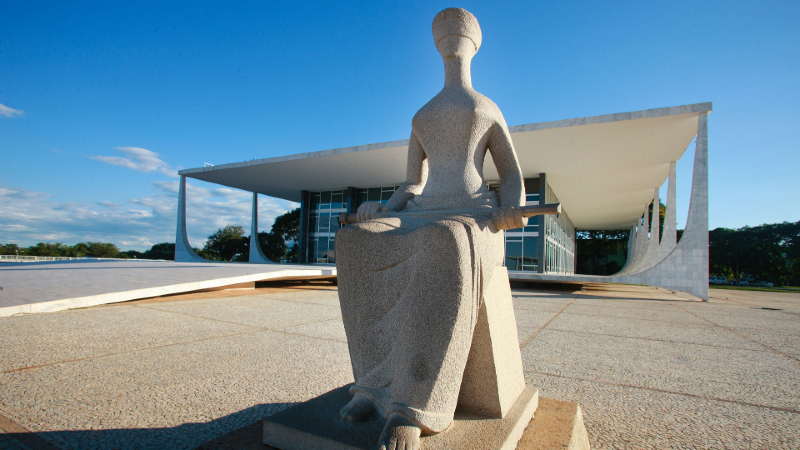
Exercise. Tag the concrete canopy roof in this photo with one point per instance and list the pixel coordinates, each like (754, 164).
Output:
(603, 168)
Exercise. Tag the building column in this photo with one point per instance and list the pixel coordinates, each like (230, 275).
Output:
(629, 255)
(302, 236)
(183, 250)
(686, 267)
(640, 245)
(256, 254)
(669, 238)
(652, 243)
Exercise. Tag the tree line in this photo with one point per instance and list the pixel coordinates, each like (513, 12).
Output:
(226, 244)
(769, 252)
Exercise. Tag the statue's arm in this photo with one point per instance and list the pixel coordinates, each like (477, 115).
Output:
(512, 185)
(416, 175)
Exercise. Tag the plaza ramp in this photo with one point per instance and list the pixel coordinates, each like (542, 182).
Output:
(54, 286)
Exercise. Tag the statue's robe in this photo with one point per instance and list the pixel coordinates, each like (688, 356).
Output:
(410, 289)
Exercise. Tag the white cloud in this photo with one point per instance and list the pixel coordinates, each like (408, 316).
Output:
(7, 112)
(29, 217)
(140, 160)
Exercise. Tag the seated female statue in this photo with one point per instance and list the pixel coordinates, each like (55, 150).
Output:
(410, 287)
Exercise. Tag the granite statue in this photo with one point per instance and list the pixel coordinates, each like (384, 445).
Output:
(411, 286)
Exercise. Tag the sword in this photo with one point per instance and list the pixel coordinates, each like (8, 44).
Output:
(527, 211)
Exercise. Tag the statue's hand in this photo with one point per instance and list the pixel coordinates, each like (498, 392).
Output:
(508, 218)
(370, 210)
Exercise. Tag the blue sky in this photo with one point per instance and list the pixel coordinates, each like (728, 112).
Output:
(102, 102)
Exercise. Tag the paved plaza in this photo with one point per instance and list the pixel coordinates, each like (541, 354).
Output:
(650, 369)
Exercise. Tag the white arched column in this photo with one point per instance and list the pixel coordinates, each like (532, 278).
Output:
(686, 266)
(183, 250)
(669, 238)
(256, 254)
(652, 242)
(640, 246)
(631, 249)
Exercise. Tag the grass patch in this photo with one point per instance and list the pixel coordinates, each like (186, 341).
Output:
(794, 289)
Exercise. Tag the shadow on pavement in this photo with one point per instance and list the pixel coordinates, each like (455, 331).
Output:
(237, 428)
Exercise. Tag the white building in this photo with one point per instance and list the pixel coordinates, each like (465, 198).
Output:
(604, 170)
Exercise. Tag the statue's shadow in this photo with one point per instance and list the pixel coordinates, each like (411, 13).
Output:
(240, 430)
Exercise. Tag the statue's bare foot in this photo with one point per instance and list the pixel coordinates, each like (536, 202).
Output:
(357, 409)
(399, 434)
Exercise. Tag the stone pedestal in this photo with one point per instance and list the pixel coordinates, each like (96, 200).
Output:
(315, 424)
(494, 405)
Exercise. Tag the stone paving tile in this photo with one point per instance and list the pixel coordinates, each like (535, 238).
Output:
(674, 315)
(692, 332)
(738, 316)
(524, 332)
(758, 377)
(535, 305)
(259, 311)
(320, 297)
(532, 318)
(619, 417)
(782, 342)
(329, 329)
(172, 397)
(634, 303)
(31, 340)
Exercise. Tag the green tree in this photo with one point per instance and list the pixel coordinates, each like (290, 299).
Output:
(287, 226)
(11, 249)
(102, 250)
(601, 252)
(80, 249)
(274, 244)
(766, 252)
(48, 249)
(226, 243)
(164, 250)
(131, 254)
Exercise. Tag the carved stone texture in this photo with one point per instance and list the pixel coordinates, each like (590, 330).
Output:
(411, 289)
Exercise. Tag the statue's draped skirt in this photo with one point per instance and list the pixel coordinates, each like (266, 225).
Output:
(410, 289)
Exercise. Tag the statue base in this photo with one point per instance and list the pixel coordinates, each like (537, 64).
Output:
(315, 424)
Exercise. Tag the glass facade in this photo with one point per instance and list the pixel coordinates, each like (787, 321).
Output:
(323, 218)
(323, 221)
(375, 194)
(559, 248)
(524, 250)
(522, 244)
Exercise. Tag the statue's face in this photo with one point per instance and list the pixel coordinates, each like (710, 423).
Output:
(456, 46)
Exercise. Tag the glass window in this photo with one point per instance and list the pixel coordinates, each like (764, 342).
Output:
(314, 201)
(362, 197)
(337, 200)
(324, 222)
(312, 222)
(312, 246)
(513, 255)
(374, 194)
(530, 253)
(322, 250)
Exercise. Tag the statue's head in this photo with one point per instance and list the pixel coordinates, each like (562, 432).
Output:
(456, 32)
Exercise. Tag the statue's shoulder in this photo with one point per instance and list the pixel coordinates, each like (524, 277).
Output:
(485, 106)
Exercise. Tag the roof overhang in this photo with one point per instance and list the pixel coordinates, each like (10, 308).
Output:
(603, 168)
